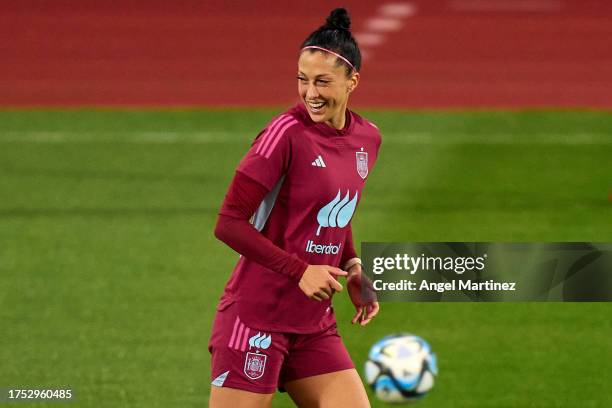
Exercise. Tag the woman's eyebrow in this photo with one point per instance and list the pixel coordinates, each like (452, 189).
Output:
(317, 76)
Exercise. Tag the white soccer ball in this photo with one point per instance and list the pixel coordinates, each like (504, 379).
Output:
(401, 368)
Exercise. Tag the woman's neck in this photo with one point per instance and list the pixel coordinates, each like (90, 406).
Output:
(338, 122)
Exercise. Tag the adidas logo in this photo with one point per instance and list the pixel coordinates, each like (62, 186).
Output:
(319, 162)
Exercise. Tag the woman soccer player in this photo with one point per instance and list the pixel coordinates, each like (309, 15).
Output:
(288, 213)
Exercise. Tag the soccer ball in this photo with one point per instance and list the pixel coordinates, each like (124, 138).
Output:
(401, 368)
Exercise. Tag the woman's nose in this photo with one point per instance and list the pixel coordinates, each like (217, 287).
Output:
(312, 92)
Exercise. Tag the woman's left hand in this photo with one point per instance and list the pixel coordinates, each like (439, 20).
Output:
(362, 295)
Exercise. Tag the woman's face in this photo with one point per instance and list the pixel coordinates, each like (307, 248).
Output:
(324, 87)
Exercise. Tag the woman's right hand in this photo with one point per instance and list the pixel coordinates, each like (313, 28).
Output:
(318, 281)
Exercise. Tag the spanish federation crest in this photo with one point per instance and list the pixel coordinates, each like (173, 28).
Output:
(254, 365)
(362, 163)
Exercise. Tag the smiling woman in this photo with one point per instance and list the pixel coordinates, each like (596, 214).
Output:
(328, 70)
(325, 87)
(288, 213)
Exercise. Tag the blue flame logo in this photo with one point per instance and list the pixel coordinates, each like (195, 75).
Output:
(260, 341)
(338, 212)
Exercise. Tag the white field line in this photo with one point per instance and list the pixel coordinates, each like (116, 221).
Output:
(389, 138)
(122, 137)
(388, 18)
(398, 10)
(384, 24)
(506, 5)
(369, 39)
(559, 139)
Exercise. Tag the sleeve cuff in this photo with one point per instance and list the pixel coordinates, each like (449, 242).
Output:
(296, 267)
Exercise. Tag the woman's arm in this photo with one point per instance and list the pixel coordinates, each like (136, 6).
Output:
(348, 253)
(233, 228)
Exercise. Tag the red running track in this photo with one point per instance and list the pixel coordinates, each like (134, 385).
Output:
(442, 53)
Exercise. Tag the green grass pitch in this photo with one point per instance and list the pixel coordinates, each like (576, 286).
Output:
(110, 272)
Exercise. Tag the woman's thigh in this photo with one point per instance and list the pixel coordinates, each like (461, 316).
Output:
(222, 397)
(336, 389)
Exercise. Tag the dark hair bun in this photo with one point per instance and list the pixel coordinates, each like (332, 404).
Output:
(339, 19)
(335, 35)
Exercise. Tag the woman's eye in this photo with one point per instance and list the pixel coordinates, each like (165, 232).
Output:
(317, 81)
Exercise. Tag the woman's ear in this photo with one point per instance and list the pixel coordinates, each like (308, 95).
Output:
(353, 81)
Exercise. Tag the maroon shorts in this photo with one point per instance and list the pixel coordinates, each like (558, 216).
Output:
(261, 361)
